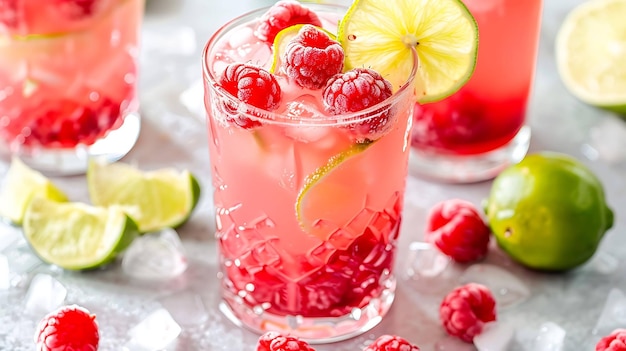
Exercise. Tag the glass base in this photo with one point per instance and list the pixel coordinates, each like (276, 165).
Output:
(470, 168)
(113, 147)
(313, 330)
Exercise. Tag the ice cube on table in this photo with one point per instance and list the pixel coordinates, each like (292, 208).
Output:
(550, 337)
(613, 313)
(496, 336)
(155, 256)
(155, 332)
(5, 278)
(44, 295)
(187, 308)
(507, 289)
(428, 268)
(425, 260)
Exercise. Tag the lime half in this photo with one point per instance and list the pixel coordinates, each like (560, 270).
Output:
(591, 51)
(331, 193)
(382, 34)
(77, 236)
(21, 183)
(154, 199)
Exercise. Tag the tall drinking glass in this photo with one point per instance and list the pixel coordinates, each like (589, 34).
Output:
(307, 213)
(68, 74)
(478, 131)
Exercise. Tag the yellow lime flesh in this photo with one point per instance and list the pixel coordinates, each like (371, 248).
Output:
(382, 34)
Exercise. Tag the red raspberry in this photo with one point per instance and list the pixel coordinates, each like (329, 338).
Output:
(252, 85)
(283, 14)
(312, 57)
(68, 328)
(76, 9)
(9, 14)
(357, 90)
(274, 341)
(616, 341)
(466, 309)
(458, 230)
(391, 343)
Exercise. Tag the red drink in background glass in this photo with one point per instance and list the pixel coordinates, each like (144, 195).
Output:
(68, 74)
(473, 134)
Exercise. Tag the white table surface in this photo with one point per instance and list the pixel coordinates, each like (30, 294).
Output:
(174, 134)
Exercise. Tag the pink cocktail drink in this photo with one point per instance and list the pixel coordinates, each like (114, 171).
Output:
(486, 117)
(308, 203)
(68, 76)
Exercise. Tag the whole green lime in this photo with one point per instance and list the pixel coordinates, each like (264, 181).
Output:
(548, 212)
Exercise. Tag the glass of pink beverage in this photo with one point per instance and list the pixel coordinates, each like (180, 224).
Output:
(68, 74)
(308, 205)
(475, 133)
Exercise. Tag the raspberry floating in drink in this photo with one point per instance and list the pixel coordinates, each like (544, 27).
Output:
(312, 57)
(283, 14)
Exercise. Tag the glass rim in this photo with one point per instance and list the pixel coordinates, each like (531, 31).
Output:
(255, 113)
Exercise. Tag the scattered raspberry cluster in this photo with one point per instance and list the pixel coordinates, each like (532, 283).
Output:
(312, 60)
(273, 341)
(68, 328)
(458, 230)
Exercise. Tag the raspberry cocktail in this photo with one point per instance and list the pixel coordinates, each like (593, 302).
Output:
(68, 74)
(309, 152)
(308, 194)
(475, 133)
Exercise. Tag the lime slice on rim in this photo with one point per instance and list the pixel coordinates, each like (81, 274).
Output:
(77, 236)
(382, 34)
(20, 185)
(154, 199)
(329, 192)
(283, 38)
(590, 52)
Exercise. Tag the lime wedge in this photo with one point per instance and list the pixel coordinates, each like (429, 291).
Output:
(283, 38)
(154, 199)
(590, 52)
(21, 183)
(331, 193)
(77, 236)
(382, 34)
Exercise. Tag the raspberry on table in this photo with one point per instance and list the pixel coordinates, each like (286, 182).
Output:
(616, 341)
(283, 14)
(456, 227)
(252, 85)
(466, 309)
(391, 343)
(312, 57)
(274, 341)
(68, 328)
(356, 90)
